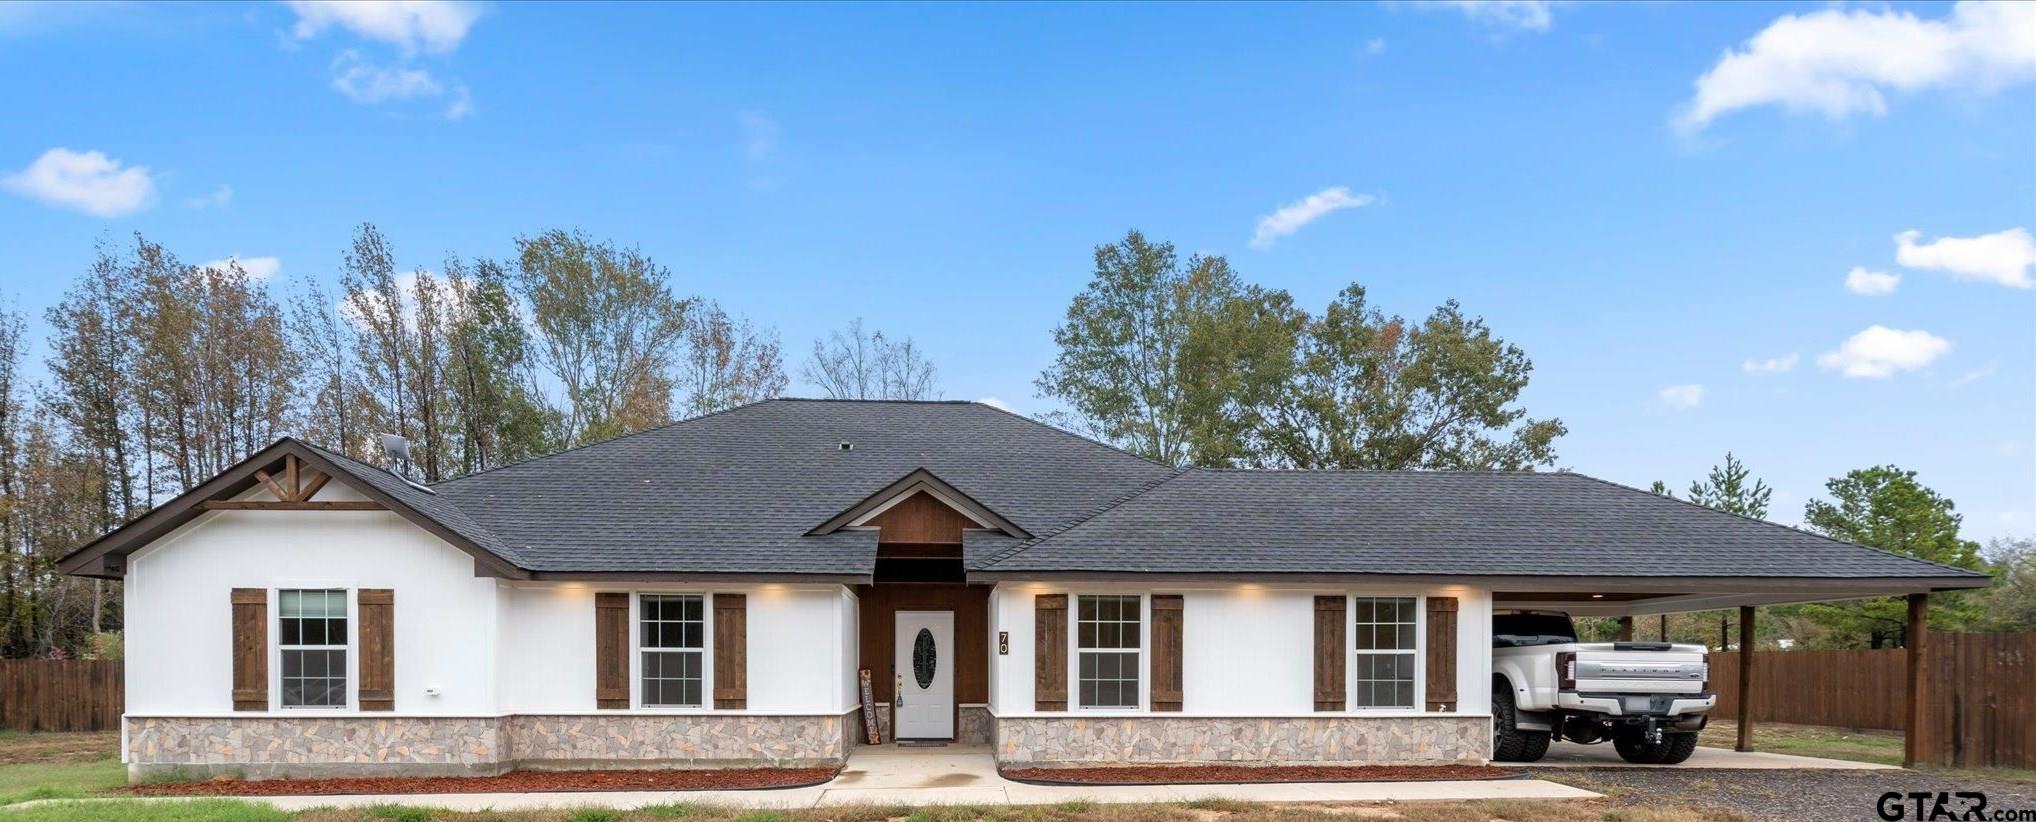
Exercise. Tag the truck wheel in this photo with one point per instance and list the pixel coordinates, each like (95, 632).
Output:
(1509, 743)
(1679, 746)
(1634, 748)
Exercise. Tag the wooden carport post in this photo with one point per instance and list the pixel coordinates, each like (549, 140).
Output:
(1914, 723)
(1625, 629)
(1745, 679)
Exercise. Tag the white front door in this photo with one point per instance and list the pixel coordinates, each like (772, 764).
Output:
(923, 704)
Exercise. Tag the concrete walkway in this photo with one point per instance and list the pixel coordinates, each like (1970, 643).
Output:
(955, 775)
(1602, 755)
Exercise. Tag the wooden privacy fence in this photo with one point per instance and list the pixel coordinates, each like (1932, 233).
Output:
(1981, 702)
(61, 695)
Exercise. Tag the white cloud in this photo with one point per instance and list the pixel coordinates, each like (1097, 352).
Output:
(760, 134)
(260, 268)
(1376, 45)
(1976, 374)
(87, 181)
(1862, 281)
(220, 197)
(427, 25)
(1772, 365)
(1879, 351)
(993, 402)
(1838, 61)
(1531, 15)
(2003, 257)
(1682, 396)
(365, 82)
(1293, 216)
(462, 104)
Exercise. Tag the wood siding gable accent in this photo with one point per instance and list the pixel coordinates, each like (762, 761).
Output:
(250, 649)
(1441, 666)
(1049, 652)
(731, 651)
(378, 648)
(920, 519)
(1332, 625)
(611, 650)
(1167, 642)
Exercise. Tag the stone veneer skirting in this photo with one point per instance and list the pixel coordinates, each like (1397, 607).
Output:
(272, 747)
(974, 726)
(1179, 739)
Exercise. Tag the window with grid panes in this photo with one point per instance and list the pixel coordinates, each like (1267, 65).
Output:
(1386, 635)
(312, 637)
(1107, 648)
(673, 646)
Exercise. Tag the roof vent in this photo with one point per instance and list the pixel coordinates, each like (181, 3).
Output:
(847, 446)
(396, 459)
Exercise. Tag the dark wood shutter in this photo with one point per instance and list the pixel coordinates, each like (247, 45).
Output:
(1440, 654)
(378, 648)
(1049, 652)
(1441, 668)
(250, 649)
(1332, 624)
(731, 651)
(611, 650)
(1166, 652)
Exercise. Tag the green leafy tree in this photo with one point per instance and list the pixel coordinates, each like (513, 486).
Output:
(1885, 507)
(500, 415)
(1370, 390)
(2010, 605)
(1731, 487)
(609, 329)
(1150, 350)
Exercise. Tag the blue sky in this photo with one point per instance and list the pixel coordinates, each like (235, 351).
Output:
(1653, 200)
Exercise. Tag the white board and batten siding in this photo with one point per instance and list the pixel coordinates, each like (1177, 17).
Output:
(1247, 650)
(465, 645)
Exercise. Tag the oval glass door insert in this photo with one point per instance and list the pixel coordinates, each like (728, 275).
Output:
(923, 659)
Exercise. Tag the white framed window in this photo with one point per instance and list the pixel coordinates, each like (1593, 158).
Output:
(1387, 636)
(312, 640)
(672, 646)
(1109, 652)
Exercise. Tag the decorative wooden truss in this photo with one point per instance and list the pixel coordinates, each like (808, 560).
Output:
(293, 493)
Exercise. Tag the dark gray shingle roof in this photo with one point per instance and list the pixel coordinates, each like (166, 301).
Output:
(1437, 523)
(737, 492)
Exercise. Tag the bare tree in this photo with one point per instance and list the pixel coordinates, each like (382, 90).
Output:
(728, 362)
(857, 364)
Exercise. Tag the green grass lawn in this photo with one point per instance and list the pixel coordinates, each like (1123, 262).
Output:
(58, 766)
(1880, 747)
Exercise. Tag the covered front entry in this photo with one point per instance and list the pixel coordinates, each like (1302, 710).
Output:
(953, 702)
(922, 702)
(925, 633)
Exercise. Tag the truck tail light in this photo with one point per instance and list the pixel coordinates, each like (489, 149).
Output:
(1565, 671)
(1707, 673)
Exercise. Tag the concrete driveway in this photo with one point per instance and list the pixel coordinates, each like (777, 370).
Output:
(1572, 755)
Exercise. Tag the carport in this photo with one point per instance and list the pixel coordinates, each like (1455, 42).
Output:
(1630, 597)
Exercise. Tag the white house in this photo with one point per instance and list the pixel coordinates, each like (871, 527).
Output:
(711, 592)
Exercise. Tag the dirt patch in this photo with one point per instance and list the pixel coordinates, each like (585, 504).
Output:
(22, 748)
(732, 779)
(1224, 774)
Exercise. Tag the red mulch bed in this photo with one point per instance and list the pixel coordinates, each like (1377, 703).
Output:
(1196, 774)
(733, 779)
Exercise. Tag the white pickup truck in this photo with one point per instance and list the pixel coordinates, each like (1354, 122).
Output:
(1649, 698)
